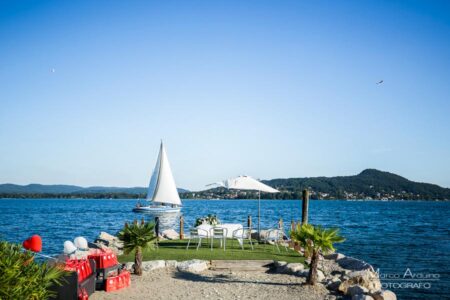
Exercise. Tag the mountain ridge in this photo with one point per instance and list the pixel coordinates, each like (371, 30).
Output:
(368, 184)
(69, 189)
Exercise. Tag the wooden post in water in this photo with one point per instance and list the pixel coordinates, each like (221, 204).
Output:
(249, 222)
(157, 228)
(280, 223)
(305, 204)
(157, 231)
(181, 227)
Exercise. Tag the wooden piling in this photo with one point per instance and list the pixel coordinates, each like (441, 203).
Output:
(305, 205)
(249, 221)
(181, 227)
(157, 227)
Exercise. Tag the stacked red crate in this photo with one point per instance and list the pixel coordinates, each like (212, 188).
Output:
(118, 282)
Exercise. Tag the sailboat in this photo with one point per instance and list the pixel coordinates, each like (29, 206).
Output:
(162, 191)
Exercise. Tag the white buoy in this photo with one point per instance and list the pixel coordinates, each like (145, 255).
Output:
(69, 248)
(81, 243)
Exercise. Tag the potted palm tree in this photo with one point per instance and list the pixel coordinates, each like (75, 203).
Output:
(316, 240)
(137, 237)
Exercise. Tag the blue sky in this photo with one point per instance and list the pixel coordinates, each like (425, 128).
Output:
(271, 89)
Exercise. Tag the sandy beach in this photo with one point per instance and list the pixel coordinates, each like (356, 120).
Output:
(172, 284)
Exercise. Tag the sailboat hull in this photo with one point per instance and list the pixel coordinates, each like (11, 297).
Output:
(157, 209)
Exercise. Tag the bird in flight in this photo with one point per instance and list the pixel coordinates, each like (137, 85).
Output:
(380, 82)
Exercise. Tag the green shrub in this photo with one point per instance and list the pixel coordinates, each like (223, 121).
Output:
(23, 278)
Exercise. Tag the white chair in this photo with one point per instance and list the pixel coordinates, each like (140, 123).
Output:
(243, 234)
(199, 234)
(219, 233)
(275, 236)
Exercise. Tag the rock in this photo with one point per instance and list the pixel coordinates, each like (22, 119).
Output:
(335, 278)
(192, 266)
(362, 297)
(354, 264)
(106, 240)
(171, 263)
(129, 266)
(334, 256)
(170, 234)
(366, 279)
(153, 265)
(330, 297)
(320, 276)
(356, 290)
(292, 268)
(279, 264)
(303, 273)
(334, 285)
(384, 295)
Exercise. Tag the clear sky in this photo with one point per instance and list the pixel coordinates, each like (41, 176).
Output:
(271, 89)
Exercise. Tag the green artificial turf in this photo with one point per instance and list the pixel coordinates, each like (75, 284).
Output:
(176, 250)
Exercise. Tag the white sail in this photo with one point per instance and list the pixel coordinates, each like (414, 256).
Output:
(162, 188)
(154, 179)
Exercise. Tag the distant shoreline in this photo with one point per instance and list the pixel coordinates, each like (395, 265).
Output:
(224, 199)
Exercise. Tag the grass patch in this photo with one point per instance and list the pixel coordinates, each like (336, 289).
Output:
(176, 250)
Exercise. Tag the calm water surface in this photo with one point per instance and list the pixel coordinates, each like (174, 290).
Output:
(392, 236)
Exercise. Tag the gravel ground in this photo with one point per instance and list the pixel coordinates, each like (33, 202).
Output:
(171, 284)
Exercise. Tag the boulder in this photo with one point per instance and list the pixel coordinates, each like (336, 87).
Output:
(334, 285)
(171, 263)
(366, 279)
(110, 241)
(192, 266)
(303, 273)
(356, 290)
(320, 276)
(292, 268)
(170, 234)
(354, 264)
(129, 266)
(153, 265)
(384, 295)
(279, 264)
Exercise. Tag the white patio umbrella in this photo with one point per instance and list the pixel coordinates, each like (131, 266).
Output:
(248, 183)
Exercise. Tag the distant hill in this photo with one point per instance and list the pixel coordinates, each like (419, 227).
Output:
(9, 190)
(369, 184)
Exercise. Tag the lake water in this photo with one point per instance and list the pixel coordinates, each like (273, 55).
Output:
(392, 236)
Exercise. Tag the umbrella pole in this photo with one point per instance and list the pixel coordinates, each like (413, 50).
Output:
(259, 216)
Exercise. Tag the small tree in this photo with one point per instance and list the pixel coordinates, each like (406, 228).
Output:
(316, 240)
(137, 237)
(23, 278)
